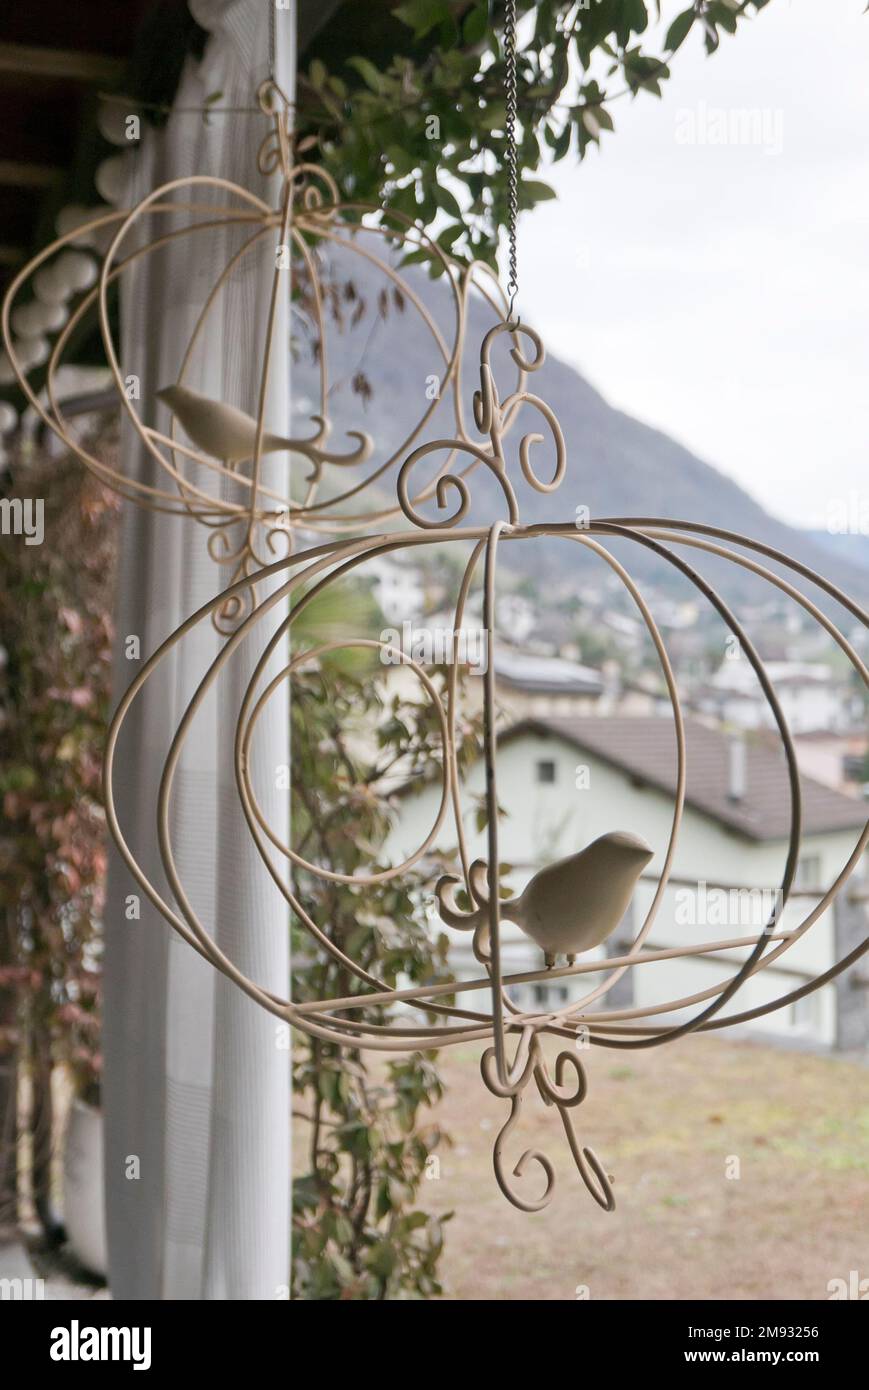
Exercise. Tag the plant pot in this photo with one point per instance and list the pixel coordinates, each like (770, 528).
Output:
(83, 1198)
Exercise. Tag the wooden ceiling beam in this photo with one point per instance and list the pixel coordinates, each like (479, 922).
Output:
(312, 16)
(63, 63)
(16, 173)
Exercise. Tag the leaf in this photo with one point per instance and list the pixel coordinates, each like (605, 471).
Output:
(711, 37)
(537, 191)
(679, 29)
(317, 73)
(381, 1259)
(422, 15)
(561, 143)
(449, 235)
(402, 162)
(415, 1220)
(727, 16)
(371, 76)
(342, 1267)
(494, 116)
(446, 200)
(476, 24)
(416, 258)
(591, 122)
(632, 18)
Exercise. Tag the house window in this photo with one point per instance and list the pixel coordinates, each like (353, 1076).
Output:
(545, 770)
(808, 874)
(805, 1013)
(549, 996)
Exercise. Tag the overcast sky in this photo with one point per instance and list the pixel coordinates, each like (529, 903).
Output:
(721, 291)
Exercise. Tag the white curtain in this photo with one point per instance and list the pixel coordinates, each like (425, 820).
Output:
(197, 1083)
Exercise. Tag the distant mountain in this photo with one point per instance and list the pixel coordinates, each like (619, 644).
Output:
(617, 465)
(853, 547)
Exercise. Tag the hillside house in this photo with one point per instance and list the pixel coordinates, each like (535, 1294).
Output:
(813, 696)
(564, 781)
(837, 760)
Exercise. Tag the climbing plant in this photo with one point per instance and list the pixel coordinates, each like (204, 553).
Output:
(366, 1140)
(415, 117)
(55, 676)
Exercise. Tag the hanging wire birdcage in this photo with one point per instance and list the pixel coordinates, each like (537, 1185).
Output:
(575, 881)
(572, 904)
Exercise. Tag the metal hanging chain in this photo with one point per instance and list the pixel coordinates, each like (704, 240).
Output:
(512, 154)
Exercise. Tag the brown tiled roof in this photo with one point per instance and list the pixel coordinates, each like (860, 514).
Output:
(645, 749)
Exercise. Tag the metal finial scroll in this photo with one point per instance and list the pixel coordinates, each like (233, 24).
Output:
(493, 417)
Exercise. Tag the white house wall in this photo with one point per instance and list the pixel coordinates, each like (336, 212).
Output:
(546, 821)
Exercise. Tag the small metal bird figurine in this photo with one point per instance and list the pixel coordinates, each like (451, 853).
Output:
(229, 434)
(217, 429)
(573, 905)
(567, 907)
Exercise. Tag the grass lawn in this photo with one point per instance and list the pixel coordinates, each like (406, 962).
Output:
(665, 1123)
